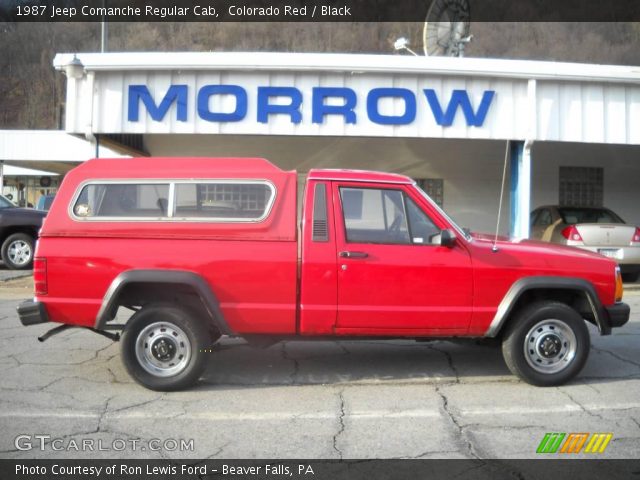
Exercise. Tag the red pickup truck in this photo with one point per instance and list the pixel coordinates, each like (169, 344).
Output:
(202, 248)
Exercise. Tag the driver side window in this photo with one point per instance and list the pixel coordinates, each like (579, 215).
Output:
(384, 216)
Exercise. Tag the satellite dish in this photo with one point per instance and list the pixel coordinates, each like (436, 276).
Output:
(446, 28)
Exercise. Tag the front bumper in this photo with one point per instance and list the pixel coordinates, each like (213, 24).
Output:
(32, 313)
(618, 314)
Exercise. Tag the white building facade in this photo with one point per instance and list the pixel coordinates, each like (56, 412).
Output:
(568, 132)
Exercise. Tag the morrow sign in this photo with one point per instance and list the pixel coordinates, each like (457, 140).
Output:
(325, 101)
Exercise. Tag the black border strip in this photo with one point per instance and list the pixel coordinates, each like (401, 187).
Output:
(314, 10)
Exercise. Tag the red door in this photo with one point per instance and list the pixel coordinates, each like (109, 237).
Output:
(393, 275)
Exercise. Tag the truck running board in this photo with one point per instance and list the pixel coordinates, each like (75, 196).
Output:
(61, 328)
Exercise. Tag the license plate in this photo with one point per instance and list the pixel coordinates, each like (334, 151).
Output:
(616, 253)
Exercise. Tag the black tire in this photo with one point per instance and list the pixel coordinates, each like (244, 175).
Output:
(630, 277)
(181, 328)
(558, 341)
(13, 259)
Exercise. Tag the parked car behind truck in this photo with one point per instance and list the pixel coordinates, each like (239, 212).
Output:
(18, 233)
(591, 228)
(204, 248)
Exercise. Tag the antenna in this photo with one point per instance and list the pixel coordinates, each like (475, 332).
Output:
(446, 28)
(403, 44)
(494, 249)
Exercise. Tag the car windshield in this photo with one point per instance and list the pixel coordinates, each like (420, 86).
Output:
(5, 202)
(443, 213)
(571, 216)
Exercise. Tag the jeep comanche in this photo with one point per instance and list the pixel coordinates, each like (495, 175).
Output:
(203, 248)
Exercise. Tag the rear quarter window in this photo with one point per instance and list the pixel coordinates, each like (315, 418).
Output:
(223, 201)
(175, 200)
(122, 201)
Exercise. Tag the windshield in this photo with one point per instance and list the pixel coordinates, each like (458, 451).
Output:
(5, 202)
(443, 213)
(571, 216)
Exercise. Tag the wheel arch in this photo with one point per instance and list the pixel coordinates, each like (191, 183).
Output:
(13, 229)
(151, 286)
(576, 292)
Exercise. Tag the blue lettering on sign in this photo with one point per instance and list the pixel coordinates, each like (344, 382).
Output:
(178, 95)
(208, 91)
(375, 116)
(459, 98)
(265, 108)
(320, 109)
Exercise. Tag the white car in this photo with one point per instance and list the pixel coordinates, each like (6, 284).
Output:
(592, 228)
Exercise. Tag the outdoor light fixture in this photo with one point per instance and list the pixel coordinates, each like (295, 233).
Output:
(403, 44)
(75, 68)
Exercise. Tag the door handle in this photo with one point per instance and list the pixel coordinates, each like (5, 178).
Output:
(353, 254)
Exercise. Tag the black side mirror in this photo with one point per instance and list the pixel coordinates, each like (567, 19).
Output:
(447, 238)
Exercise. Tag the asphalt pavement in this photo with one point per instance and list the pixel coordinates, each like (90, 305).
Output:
(352, 400)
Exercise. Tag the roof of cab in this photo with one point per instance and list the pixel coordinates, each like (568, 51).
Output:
(357, 176)
(178, 167)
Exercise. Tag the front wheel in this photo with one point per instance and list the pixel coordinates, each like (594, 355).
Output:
(162, 348)
(546, 344)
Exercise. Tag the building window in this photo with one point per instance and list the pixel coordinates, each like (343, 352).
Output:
(434, 187)
(581, 186)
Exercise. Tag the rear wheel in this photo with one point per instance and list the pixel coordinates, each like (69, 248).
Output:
(17, 251)
(162, 348)
(546, 344)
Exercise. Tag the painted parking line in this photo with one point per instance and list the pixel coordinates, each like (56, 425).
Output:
(362, 414)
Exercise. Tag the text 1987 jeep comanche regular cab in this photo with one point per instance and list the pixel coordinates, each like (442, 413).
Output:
(201, 248)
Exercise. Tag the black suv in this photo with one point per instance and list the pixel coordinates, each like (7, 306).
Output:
(18, 232)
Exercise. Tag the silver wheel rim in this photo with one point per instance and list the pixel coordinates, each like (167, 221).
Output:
(163, 349)
(19, 252)
(550, 346)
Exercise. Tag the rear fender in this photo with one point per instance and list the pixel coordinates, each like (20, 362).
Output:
(207, 297)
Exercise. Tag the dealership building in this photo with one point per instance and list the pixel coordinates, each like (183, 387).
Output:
(558, 133)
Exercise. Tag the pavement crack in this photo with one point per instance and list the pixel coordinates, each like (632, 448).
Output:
(580, 405)
(498, 427)
(139, 404)
(426, 453)
(460, 433)
(15, 450)
(341, 425)
(616, 356)
(15, 359)
(593, 387)
(217, 452)
(105, 408)
(449, 358)
(296, 364)
(344, 349)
